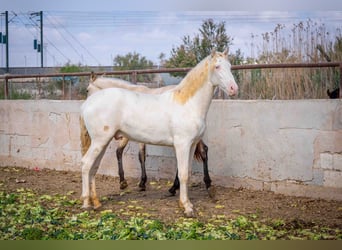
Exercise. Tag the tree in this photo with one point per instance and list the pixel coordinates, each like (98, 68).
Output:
(69, 84)
(132, 61)
(71, 68)
(194, 49)
(161, 58)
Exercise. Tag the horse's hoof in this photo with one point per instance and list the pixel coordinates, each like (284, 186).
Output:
(123, 184)
(97, 204)
(188, 209)
(87, 208)
(212, 192)
(168, 195)
(189, 213)
(142, 188)
(172, 191)
(86, 203)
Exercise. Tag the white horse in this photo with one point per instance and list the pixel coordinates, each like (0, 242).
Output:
(201, 151)
(175, 118)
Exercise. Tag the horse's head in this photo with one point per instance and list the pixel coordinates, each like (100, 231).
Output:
(221, 74)
(91, 89)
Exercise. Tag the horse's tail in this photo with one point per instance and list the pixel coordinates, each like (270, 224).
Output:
(85, 138)
(198, 155)
(201, 151)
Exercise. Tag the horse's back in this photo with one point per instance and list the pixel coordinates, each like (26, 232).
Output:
(106, 82)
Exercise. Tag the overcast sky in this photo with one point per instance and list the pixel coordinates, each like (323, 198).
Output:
(93, 34)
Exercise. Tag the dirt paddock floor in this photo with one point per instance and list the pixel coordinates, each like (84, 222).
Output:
(157, 203)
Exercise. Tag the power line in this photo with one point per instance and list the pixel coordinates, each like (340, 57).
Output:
(75, 39)
(65, 39)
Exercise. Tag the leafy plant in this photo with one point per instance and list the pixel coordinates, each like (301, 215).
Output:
(25, 215)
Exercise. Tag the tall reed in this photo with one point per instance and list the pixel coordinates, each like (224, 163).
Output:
(308, 42)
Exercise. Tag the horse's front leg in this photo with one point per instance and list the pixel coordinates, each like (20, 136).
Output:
(184, 153)
(142, 159)
(201, 153)
(119, 151)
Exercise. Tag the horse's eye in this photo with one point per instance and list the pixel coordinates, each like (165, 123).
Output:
(217, 66)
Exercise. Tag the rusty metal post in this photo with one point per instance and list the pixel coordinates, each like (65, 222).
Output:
(6, 87)
(134, 77)
(63, 88)
(39, 85)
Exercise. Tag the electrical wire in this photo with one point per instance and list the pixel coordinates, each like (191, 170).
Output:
(65, 39)
(71, 35)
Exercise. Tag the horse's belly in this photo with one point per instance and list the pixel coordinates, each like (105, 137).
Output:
(147, 133)
(150, 138)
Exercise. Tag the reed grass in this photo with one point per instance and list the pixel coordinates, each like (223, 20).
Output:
(308, 42)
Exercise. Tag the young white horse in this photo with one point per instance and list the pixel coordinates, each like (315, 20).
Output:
(174, 118)
(201, 152)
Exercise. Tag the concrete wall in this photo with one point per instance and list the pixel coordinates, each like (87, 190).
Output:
(289, 147)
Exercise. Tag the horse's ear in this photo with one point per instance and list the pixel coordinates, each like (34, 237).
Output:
(92, 76)
(213, 51)
(226, 51)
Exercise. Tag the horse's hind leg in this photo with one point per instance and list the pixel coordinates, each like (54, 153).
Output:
(119, 151)
(202, 151)
(142, 159)
(90, 163)
(175, 185)
(93, 195)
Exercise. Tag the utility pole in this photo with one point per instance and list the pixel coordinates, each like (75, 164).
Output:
(7, 60)
(40, 47)
(41, 39)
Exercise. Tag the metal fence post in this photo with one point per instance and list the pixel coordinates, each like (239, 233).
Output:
(6, 87)
(63, 89)
(134, 77)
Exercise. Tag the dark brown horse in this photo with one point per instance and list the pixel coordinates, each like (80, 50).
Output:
(335, 94)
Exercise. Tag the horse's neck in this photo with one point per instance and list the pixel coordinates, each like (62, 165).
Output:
(195, 89)
(202, 99)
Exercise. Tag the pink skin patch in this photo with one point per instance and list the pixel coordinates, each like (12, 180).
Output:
(233, 89)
